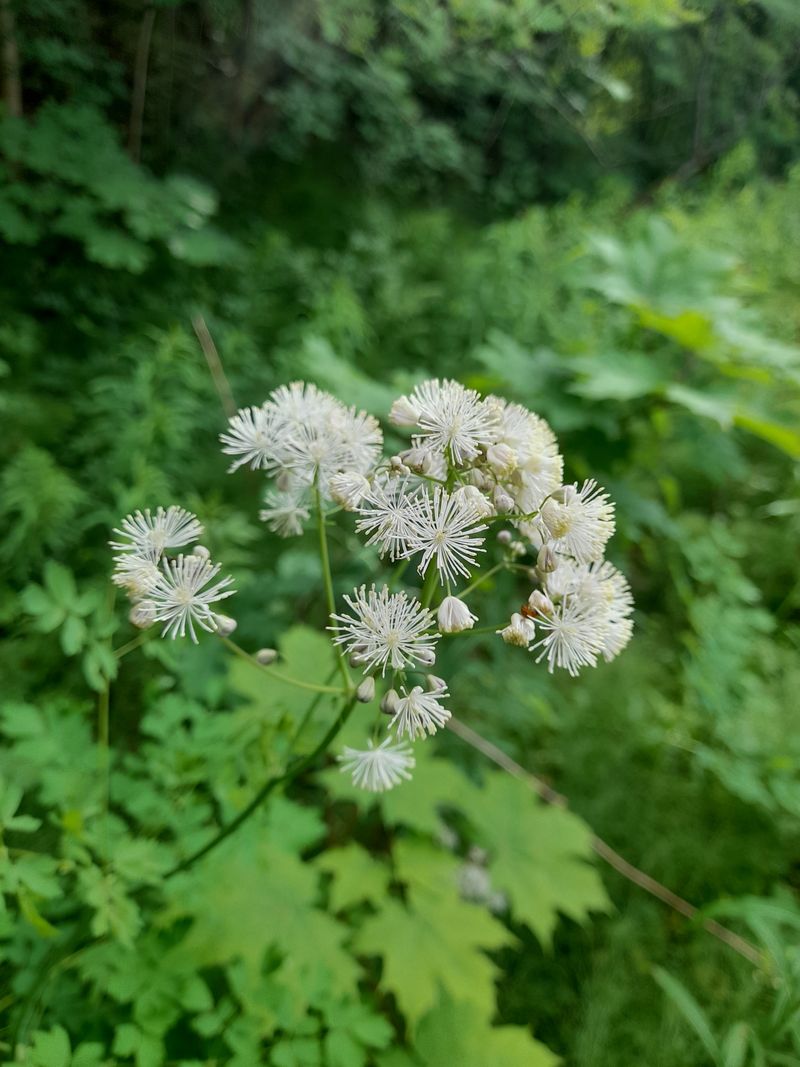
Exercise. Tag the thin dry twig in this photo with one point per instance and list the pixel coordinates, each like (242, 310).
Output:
(221, 383)
(602, 848)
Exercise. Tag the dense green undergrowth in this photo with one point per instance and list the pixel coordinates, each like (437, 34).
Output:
(658, 334)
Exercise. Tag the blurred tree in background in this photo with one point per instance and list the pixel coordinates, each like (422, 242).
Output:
(593, 208)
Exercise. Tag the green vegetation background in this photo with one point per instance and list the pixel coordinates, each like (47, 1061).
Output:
(591, 208)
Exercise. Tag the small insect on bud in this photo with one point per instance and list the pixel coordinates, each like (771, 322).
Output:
(502, 501)
(389, 702)
(266, 656)
(454, 616)
(143, 614)
(504, 537)
(502, 459)
(404, 412)
(201, 551)
(225, 625)
(366, 691)
(540, 603)
(426, 656)
(547, 560)
(348, 489)
(520, 631)
(435, 684)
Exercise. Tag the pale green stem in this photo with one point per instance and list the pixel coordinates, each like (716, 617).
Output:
(327, 579)
(277, 675)
(135, 642)
(483, 578)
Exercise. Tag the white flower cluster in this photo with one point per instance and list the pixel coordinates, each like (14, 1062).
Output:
(473, 462)
(177, 592)
(303, 438)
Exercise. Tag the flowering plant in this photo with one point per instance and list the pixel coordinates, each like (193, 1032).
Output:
(481, 479)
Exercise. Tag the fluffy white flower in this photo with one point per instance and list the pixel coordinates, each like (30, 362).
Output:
(386, 629)
(520, 631)
(452, 419)
(574, 636)
(388, 514)
(149, 535)
(378, 769)
(578, 522)
(419, 713)
(251, 437)
(454, 616)
(444, 529)
(135, 574)
(602, 592)
(404, 412)
(470, 494)
(183, 595)
(306, 435)
(347, 490)
(285, 511)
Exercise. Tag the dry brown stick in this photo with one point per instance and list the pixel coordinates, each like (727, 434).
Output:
(603, 849)
(12, 84)
(221, 383)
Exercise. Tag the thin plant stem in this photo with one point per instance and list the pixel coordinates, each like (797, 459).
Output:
(287, 678)
(429, 586)
(479, 581)
(268, 787)
(312, 707)
(603, 849)
(135, 642)
(327, 579)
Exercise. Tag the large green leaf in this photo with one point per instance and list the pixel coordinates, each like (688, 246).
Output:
(455, 1033)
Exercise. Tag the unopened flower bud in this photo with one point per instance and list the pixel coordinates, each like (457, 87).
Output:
(201, 551)
(501, 458)
(520, 631)
(547, 560)
(348, 489)
(143, 614)
(426, 656)
(266, 656)
(471, 495)
(366, 691)
(541, 603)
(435, 683)
(517, 549)
(389, 702)
(454, 616)
(502, 501)
(403, 412)
(478, 479)
(398, 467)
(225, 625)
(504, 537)
(284, 481)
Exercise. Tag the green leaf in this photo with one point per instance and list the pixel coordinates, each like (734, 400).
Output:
(356, 876)
(434, 940)
(454, 1033)
(690, 1010)
(51, 1048)
(73, 635)
(540, 855)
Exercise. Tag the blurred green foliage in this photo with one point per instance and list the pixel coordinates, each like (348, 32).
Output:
(592, 208)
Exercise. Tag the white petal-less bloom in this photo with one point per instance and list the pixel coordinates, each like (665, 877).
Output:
(378, 769)
(452, 419)
(135, 574)
(446, 531)
(419, 713)
(285, 512)
(578, 522)
(386, 629)
(387, 514)
(603, 592)
(184, 593)
(347, 490)
(454, 616)
(520, 631)
(574, 636)
(149, 535)
(251, 437)
(470, 494)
